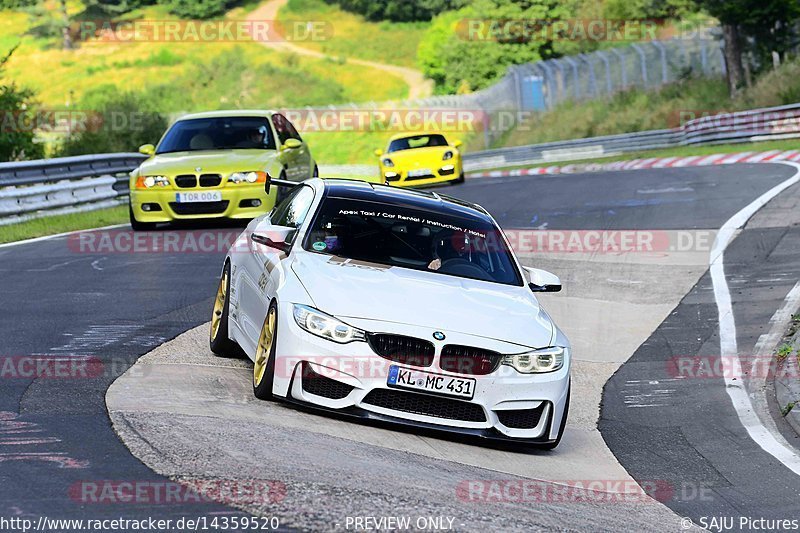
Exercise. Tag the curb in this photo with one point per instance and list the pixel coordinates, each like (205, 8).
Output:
(787, 383)
(770, 156)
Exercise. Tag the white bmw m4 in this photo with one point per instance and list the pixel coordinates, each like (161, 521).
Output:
(396, 305)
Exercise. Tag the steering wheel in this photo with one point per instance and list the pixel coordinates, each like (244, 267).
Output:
(461, 267)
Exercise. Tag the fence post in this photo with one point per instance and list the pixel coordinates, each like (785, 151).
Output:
(623, 67)
(574, 65)
(643, 59)
(592, 78)
(662, 49)
(604, 57)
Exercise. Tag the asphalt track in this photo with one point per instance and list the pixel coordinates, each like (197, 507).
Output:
(65, 302)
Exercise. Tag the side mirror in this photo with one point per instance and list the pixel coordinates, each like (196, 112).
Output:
(542, 280)
(378, 152)
(276, 237)
(147, 149)
(457, 143)
(292, 144)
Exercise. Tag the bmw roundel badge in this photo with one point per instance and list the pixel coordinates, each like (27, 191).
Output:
(438, 335)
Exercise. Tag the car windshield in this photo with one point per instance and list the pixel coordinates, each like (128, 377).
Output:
(416, 141)
(398, 236)
(221, 133)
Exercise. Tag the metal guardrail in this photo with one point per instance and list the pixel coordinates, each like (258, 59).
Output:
(65, 184)
(68, 184)
(745, 126)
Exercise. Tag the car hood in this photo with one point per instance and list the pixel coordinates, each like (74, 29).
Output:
(421, 157)
(211, 161)
(367, 291)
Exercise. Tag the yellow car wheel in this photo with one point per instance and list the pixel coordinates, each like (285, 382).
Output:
(219, 342)
(264, 366)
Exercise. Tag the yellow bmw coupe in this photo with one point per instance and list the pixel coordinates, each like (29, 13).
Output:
(427, 158)
(215, 165)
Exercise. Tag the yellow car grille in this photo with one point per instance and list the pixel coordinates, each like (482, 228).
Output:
(188, 181)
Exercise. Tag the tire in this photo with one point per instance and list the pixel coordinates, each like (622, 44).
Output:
(459, 180)
(218, 339)
(315, 174)
(552, 445)
(139, 226)
(264, 365)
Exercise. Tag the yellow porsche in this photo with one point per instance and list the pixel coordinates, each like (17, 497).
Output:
(215, 165)
(414, 159)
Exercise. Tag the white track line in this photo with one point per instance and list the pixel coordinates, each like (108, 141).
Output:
(727, 329)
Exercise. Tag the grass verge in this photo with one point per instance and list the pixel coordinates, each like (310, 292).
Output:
(51, 225)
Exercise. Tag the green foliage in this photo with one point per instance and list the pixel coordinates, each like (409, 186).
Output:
(463, 45)
(110, 8)
(398, 10)
(123, 121)
(764, 25)
(197, 9)
(16, 105)
(16, 4)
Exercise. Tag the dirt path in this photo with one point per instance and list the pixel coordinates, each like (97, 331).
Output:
(418, 86)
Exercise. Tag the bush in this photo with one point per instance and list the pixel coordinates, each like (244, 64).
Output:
(17, 106)
(450, 56)
(120, 122)
(197, 9)
(398, 10)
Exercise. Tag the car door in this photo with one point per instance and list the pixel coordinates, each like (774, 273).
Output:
(264, 267)
(291, 158)
(304, 160)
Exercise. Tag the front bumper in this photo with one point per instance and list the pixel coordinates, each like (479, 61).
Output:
(236, 203)
(351, 380)
(443, 173)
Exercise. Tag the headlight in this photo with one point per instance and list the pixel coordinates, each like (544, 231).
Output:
(326, 326)
(146, 182)
(387, 162)
(537, 361)
(447, 155)
(248, 177)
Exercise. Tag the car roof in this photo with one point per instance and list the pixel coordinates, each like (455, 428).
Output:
(415, 134)
(408, 198)
(229, 113)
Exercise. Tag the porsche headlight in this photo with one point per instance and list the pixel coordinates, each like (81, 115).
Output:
(387, 162)
(323, 325)
(247, 177)
(147, 182)
(537, 361)
(447, 155)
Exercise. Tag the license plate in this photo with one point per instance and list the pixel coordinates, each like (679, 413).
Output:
(403, 378)
(200, 196)
(415, 173)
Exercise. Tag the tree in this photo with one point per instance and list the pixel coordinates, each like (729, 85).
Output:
(758, 27)
(473, 44)
(398, 10)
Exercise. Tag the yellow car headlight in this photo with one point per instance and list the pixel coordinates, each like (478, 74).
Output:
(388, 163)
(447, 155)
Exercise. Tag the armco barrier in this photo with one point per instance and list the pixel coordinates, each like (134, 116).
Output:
(65, 184)
(83, 182)
(745, 126)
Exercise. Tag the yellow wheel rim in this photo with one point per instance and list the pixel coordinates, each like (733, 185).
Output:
(264, 348)
(219, 305)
